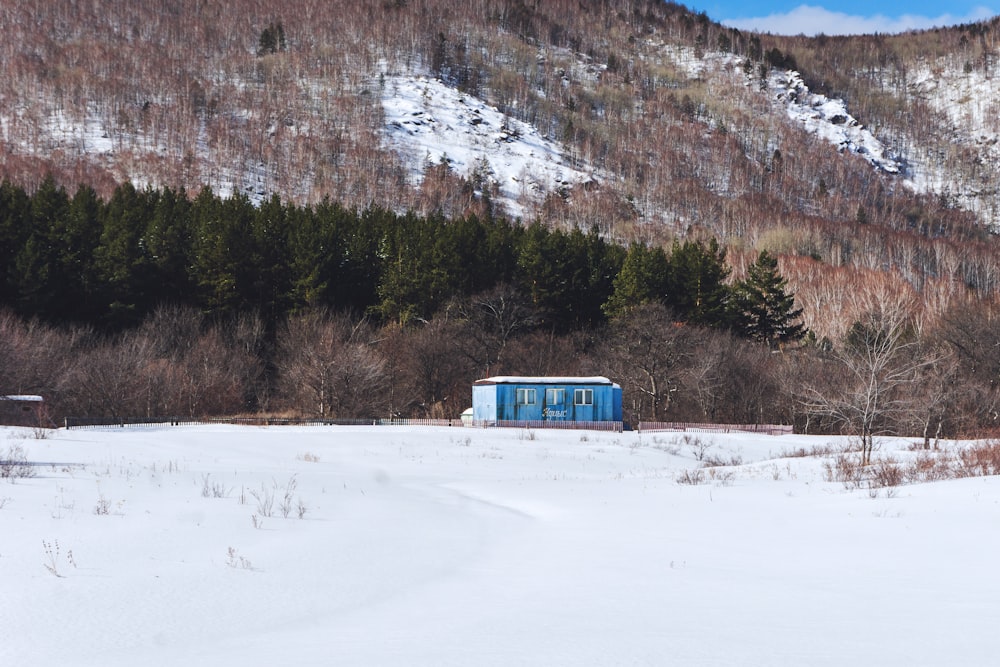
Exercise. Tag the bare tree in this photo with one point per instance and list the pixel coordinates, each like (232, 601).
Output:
(882, 362)
(437, 377)
(938, 392)
(110, 380)
(328, 366)
(647, 352)
(730, 380)
(493, 318)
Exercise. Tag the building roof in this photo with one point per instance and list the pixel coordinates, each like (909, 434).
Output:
(524, 379)
(28, 398)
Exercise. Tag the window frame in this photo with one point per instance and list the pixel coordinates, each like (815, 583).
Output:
(555, 396)
(581, 396)
(523, 394)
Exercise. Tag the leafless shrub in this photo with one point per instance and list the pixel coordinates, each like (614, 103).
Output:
(265, 500)
(815, 450)
(699, 448)
(931, 468)
(720, 462)
(301, 509)
(886, 473)
(721, 477)
(103, 506)
(691, 477)
(979, 459)
(236, 561)
(53, 559)
(669, 446)
(14, 465)
(285, 506)
(211, 489)
(846, 469)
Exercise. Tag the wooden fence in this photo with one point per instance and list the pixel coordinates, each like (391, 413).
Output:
(768, 429)
(138, 422)
(615, 427)
(135, 422)
(612, 426)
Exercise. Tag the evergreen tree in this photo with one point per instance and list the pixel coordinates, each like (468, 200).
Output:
(36, 265)
(270, 277)
(79, 236)
(272, 40)
(763, 310)
(421, 269)
(168, 241)
(697, 290)
(221, 251)
(314, 254)
(15, 213)
(120, 258)
(568, 276)
(642, 279)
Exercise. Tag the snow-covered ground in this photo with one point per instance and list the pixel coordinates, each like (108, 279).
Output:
(427, 122)
(438, 546)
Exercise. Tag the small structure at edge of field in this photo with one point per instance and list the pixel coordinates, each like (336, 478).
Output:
(546, 401)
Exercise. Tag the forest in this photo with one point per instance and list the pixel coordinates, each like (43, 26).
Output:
(153, 303)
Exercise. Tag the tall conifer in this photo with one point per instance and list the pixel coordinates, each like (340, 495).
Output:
(764, 310)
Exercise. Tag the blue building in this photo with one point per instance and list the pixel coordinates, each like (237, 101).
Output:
(546, 399)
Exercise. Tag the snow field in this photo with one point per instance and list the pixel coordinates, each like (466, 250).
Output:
(438, 546)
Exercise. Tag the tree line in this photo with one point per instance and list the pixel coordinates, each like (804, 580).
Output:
(889, 374)
(152, 303)
(110, 263)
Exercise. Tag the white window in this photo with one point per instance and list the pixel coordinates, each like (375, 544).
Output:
(525, 396)
(583, 396)
(555, 396)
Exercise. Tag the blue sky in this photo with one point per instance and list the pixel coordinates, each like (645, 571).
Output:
(792, 17)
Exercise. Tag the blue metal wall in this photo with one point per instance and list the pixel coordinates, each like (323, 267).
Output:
(498, 401)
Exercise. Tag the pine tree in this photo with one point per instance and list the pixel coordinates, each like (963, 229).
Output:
(36, 271)
(121, 261)
(272, 40)
(697, 291)
(764, 310)
(15, 214)
(642, 279)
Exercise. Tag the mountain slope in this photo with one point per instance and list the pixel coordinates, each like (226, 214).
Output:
(642, 118)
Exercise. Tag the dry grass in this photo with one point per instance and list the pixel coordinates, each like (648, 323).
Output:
(979, 459)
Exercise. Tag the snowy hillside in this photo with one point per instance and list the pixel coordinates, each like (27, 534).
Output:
(826, 118)
(437, 546)
(428, 122)
(829, 120)
(967, 100)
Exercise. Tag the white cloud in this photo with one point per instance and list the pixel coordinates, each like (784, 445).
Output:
(812, 20)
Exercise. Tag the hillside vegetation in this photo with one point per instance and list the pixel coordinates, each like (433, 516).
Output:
(207, 136)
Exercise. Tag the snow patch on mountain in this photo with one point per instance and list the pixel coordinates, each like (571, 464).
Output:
(824, 117)
(968, 99)
(428, 122)
(969, 102)
(828, 119)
